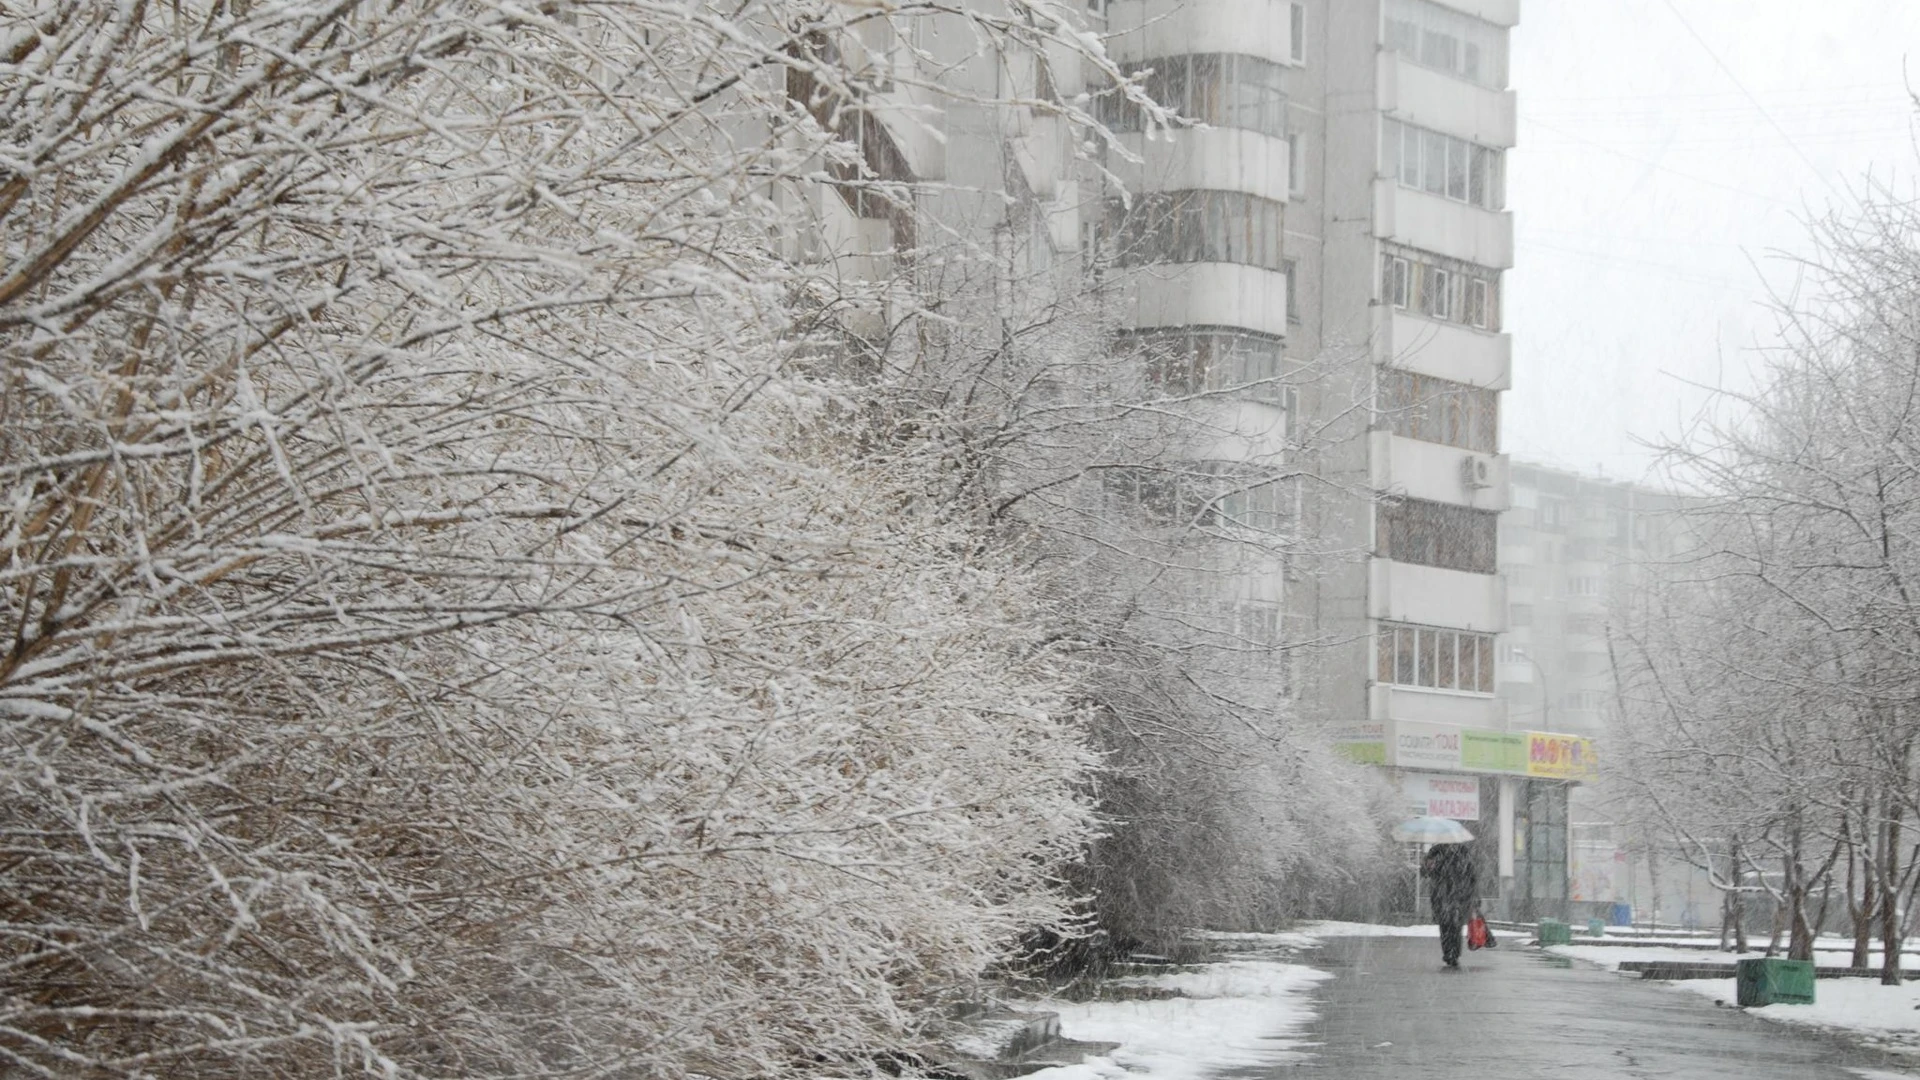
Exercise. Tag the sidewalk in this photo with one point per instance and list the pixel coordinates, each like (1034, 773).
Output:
(1391, 1012)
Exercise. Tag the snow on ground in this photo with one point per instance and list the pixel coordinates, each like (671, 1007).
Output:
(1884, 1016)
(1327, 928)
(1246, 1010)
(1612, 956)
(1238, 1013)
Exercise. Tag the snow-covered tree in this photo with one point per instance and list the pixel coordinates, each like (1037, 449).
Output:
(461, 618)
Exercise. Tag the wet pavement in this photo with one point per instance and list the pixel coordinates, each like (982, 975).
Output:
(1392, 1011)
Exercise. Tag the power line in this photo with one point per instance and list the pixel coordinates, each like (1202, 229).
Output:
(1653, 164)
(1735, 79)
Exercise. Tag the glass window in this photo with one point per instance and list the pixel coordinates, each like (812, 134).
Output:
(1457, 169)
(1447, 40)
(1409, 156)
(1435, 657)
(1297, 33)
(1398, 276)
(1438, 50)
(1433, 162)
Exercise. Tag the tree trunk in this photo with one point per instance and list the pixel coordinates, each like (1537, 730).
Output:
(1800, 939)
(1861, 910)
(1890, 900)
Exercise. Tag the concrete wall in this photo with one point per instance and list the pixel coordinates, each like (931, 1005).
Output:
(1443, 350)
(1424, 470)
(1441, 225)
(1145, 29)
(1210, 294)
(1222, 159)
(1431, 596)
(1441, 102)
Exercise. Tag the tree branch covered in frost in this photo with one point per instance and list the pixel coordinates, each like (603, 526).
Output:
(446, 630)
(1772, 674)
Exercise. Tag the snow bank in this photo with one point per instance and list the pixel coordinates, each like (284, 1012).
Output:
(1884, 1016)
(1241, 1013)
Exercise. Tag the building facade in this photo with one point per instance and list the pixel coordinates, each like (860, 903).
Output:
(1357, 147)
(1571, 549)
(1324, 254)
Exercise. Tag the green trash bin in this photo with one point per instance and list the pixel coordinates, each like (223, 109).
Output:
(1769, 980)
(1596, 928)
(1555, 932)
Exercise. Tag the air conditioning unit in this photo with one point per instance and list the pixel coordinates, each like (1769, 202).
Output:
(1476, 471)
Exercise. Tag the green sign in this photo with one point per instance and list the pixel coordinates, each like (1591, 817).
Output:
(1365, 753)
(1493, 751)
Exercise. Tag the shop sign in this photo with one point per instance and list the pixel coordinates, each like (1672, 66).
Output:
(1365, 743)
(1441, 795)
(1493, 751)
(1425, 746)
(1560, 757)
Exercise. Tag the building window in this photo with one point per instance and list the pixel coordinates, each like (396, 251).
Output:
(1438, 534)
(1296, 167)
(1200, 360)
(1297, 33)
(1436, 293)
(1440, 410)
(1293, 292)
(1442, 165)
(1216, 496)
(1398, 282)
(1441, 288)
(1199, 226)
(1454, 42)
(1434, 657)
(1221, 89)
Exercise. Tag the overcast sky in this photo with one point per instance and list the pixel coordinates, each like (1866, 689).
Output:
(1668, 149)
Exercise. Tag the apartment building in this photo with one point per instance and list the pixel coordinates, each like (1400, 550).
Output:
(1325, 255)
(1571, 549)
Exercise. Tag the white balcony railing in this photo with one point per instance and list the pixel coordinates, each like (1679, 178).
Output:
(1220, 159)
(1434, 223)
(1443, 350)
(1447, 103)
(1147, 29)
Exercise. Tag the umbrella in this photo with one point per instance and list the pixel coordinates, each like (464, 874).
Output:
(1431, 830)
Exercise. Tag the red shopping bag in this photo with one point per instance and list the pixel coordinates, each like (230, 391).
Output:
(1478, 936)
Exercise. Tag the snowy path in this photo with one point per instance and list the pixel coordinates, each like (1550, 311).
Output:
(1391, 1011)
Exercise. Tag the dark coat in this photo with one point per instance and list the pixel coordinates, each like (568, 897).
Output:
(1448, 869)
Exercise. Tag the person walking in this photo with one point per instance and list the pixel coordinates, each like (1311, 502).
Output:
(1448, 869)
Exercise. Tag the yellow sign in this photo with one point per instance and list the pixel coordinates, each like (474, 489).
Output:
(1561, 757)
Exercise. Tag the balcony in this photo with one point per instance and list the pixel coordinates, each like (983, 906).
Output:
(1447, 103)
(1210, 294)
(1433, 471)
(1499, 12)
(1404, 592)
(1222, 159)
(1146, 29)
(1404, 710)
(1443, 350)
(1433, 223)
